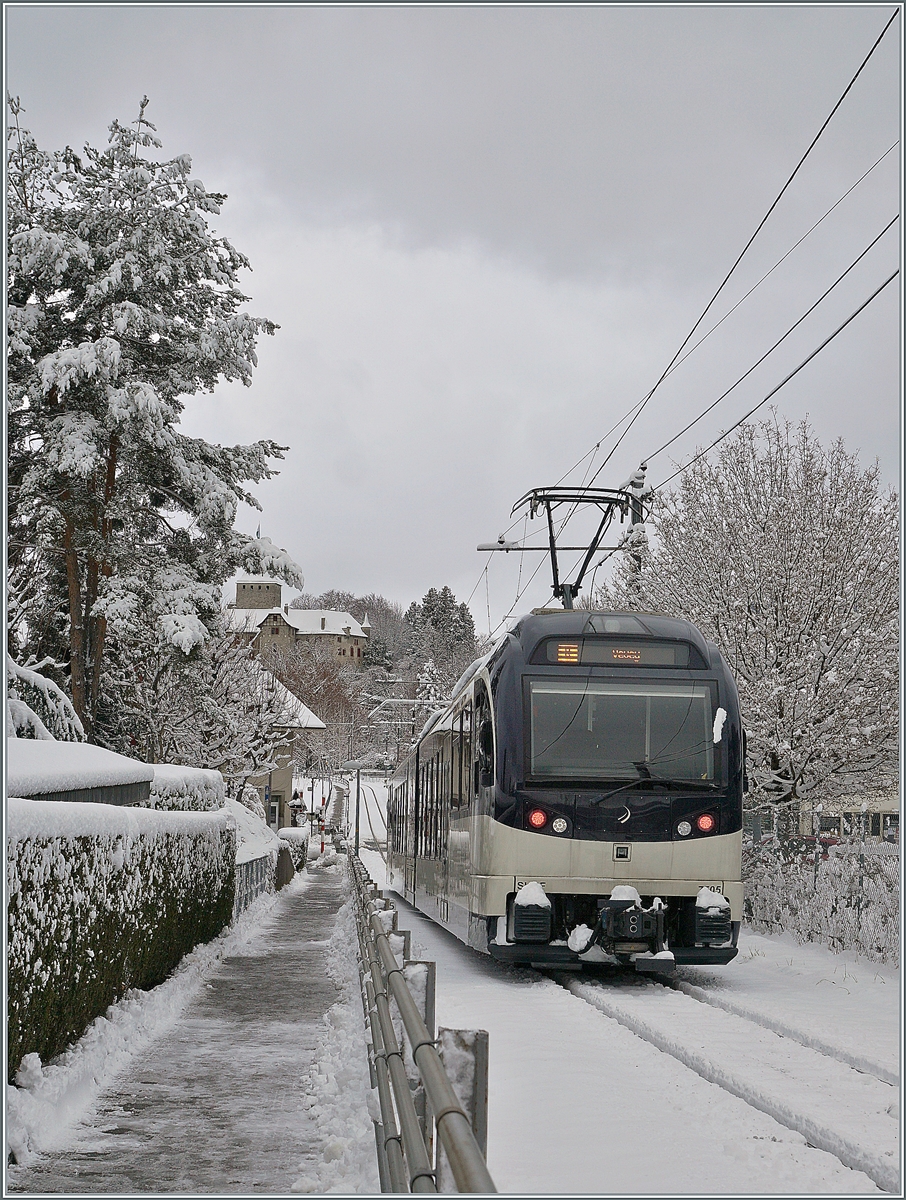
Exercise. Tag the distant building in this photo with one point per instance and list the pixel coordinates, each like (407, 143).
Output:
(259, 616)
(275, 789)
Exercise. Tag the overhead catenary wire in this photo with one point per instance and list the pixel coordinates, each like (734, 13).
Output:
(745, 248)
(593, 450)
(771, 349)
(782, 258)
(635, 411)
(782, 383)
(723, 396)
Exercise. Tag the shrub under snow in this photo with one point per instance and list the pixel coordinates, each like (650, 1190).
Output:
(851, 901)
(102, 899)
(184, 789)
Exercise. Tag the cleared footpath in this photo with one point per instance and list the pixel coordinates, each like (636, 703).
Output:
(212, 1107)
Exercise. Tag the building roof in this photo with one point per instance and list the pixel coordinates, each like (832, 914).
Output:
(306, 621)
(296, 714)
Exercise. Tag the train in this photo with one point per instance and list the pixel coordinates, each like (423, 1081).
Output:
(579, 800)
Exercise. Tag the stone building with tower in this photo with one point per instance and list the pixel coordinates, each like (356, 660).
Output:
(260, 617)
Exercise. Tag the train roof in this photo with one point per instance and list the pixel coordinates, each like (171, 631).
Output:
(558, 622)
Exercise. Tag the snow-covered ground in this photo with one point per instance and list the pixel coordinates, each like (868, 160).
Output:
(632, 1088)
(596, 1087)
(579, 1103)
(51, 1099)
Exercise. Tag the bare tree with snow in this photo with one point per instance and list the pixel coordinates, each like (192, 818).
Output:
(784, 553)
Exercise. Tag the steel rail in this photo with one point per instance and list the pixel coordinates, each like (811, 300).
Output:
(386, 978)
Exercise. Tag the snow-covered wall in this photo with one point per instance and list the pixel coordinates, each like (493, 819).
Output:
(295, 838)
(36, 767)
(102, 899)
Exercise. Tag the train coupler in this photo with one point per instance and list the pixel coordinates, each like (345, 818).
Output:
(633, 934)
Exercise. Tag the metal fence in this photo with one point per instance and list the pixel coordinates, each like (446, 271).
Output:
(415, 1102)
(844, 892)
(253, 878)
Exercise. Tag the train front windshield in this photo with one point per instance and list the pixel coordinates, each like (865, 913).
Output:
(611, 729)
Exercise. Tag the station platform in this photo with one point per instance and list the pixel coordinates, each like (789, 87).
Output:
(213, 1106)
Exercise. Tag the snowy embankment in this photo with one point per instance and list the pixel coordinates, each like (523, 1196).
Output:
(611, 1112)
(338, 1087)
(50, 1100)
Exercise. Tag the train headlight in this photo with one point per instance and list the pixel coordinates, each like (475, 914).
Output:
(560, 825)
(705, 823)
(684, 829)
(537, 818)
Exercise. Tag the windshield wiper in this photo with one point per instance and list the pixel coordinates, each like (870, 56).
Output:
(698, 785)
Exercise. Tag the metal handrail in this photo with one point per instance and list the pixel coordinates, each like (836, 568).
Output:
(382, 978)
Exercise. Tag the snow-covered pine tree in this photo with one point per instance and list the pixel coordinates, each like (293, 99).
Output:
(442, 631)
(122, 303)
(785, 554)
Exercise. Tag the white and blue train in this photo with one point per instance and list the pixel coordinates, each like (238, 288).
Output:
(579, 800)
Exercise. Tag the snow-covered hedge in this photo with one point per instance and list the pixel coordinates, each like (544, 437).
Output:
(851, 901)
(296, 838)
(104, 898)
(186, 789)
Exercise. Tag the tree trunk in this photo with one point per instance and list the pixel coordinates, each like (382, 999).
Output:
(76, 631)
(98, 625)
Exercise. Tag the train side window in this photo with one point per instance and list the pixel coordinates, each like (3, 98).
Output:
(466, 760)
(484, 741)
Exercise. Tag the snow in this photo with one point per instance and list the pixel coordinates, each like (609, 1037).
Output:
(839, 1003)
(625, 891)
(254, 838)
(561, 1145)
(719, 717)
(52, 1098)
(338, 1085)
(51, 819)
(319, 861)
(707, 898)
(579, 938)
(186, 787)
(35, 767)
(533, 893)
(294, 833)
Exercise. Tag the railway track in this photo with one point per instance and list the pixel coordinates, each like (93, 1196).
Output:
(847, 1110)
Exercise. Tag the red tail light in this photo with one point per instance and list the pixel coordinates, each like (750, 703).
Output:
(537, 818)
(705, 823)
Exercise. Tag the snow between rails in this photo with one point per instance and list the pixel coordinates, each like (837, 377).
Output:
(854, 1105)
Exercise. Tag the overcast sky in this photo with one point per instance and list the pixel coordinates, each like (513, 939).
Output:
(484, 231)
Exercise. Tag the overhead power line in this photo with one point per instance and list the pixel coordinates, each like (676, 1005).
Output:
(783, 382)
(757, 231)
(730, 311)
(808, 312)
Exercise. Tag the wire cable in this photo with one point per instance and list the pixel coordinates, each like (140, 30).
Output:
(782, 383)
(758, 229)
(808, 312)
(730, 311)
(594, 449)
(783, 258)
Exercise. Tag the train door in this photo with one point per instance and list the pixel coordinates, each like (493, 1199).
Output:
(444, 789)
(412, 827)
